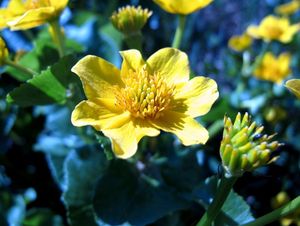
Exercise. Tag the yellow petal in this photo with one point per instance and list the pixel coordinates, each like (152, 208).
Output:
(171, 64)
(132, 60)
(16, 7)
(99, 77)
(31, 18)
(59, 4)
(99, 113)
(197, 96)
(183, 7)
(294, 86)
(187, 129)
(289, 33)
(253, 31)
(125, 139)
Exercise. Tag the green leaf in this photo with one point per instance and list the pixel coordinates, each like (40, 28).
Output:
(83, 168)
(230, 214)
(45, 217)
(123, 195)
(46, 88)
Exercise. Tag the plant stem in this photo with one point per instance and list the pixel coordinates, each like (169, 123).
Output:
(276, 214)
(221, 195)
(58, 37)
(134, 41)
(179, 31)
(20, 67)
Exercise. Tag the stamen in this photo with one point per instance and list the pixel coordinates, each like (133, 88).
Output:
(144, 95)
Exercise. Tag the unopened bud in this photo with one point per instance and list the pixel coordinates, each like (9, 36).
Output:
(244, 147)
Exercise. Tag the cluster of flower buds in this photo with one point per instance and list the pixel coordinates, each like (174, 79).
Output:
(244, 146)
(130, 19)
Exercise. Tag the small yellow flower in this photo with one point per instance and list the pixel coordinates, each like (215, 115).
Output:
(279, 200)
(288, 8)
(3, 52)
(240, 42)
(182, 7)
(294, 86)
(272, 68)
(244, 147)
(274, 28)
(143, 98)
(22, 15)
(130, 19)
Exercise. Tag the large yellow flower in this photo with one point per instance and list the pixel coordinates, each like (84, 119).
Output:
(274, 69)
(182, 7)
(143, 98)
(274, 28)
(21, 15)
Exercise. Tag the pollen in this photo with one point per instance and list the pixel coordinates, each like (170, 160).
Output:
(144, 95)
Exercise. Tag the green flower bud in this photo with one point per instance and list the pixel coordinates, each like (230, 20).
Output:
(3, 52)
(130, 19)
(244, 147)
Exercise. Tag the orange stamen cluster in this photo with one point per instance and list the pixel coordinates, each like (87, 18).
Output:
(144, 95)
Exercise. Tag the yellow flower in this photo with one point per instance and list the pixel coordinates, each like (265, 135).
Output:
(21, 15)
(182, 7)
(288, 8)
(294, 86)
(240, 42)
(130, 19)
(143, 98)
(274, 69)
(3, 51)
(278, 201)
(274, 28)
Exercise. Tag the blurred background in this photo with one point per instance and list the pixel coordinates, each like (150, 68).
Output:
(28, 193)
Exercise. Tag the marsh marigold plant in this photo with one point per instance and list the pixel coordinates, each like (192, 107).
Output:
(143, 98)
(294, 86)
(272, 68)
(274, 28)
(182, 7)
(21, 15)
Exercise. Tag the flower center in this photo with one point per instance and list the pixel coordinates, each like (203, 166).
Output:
(274, 31)
(144, 95)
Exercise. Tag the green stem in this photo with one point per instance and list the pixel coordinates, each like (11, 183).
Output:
(179, 31)
(20, 67)
(276, 214)
(58, 37)
(260, 57)
(134, 41)
(214, 208)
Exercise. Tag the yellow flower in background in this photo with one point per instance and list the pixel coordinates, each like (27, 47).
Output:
(294, 86)
(288, 8)
(240, 42)
(182, 7)
(130, 19)
(272, 68)
(143, 98)
(278, 201)
(21, 15)
(274, 28)
(3, 51)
